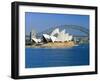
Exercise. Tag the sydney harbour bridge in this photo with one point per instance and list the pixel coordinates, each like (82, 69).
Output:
(79, 37)
(67, 27)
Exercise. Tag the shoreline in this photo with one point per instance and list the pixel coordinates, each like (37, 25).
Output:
(53, 45)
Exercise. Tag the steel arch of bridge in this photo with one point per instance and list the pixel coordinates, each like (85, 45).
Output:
(76, 27)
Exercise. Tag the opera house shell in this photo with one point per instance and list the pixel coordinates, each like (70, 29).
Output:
(58, 36)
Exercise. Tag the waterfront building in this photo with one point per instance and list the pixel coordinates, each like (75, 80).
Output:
(57, 36)
(36, 40)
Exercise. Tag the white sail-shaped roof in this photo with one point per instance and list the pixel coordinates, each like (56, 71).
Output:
(36, 40)
(56, 31)
(70, 37)
(53, 38)
(46, 36)
(63, 31)
(61, 36)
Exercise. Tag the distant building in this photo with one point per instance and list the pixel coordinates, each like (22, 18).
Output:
(33, 34)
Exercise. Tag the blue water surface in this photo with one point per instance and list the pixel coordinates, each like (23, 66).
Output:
(56, 57)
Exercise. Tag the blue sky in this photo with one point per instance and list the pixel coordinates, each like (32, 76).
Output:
(43, 21)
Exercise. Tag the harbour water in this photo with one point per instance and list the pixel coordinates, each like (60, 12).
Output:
(56, 57)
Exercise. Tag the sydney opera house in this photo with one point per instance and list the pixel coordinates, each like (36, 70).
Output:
(55, 36)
